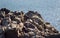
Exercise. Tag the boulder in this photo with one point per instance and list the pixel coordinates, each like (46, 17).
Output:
(29, 25)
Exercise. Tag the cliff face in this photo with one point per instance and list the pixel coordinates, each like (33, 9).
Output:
(20, 25)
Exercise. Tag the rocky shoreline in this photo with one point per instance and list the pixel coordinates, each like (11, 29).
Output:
(19, 25)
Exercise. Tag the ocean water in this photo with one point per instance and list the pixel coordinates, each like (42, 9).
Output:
(49, 9)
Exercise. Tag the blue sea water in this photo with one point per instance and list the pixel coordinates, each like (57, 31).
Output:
(49, 9)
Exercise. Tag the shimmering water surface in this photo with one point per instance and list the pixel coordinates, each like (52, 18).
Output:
(49, 9)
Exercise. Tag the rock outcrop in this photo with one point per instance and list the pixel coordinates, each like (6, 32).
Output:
(20, 25)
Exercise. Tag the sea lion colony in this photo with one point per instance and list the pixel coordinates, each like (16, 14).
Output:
(19, 25)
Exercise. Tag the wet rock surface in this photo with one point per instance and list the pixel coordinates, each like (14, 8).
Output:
(28, 25)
